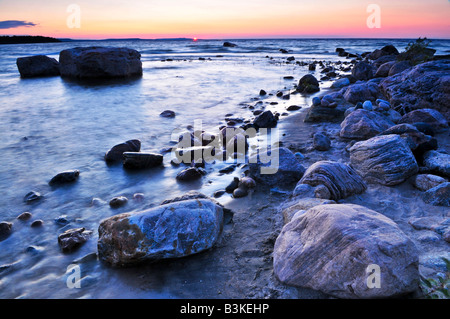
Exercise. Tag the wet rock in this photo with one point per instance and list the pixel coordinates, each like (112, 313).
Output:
(438, 196)
(173, 230)
(363, 71)
(383, 70)
(277, 168)
(65, 177)
(362, 92)
(73, 238)
(321, 142)
(229, 45)
(385, 160)
(233, 185)
(247, 182)
(5, 230)
(262, 93)
(363, 124)
(429, 116)
(32, 197)
(340, 179)
(425, 182)
(293, 108)
(308, 254)
(116, 153)
(61, 220)
(266, 120)
(308, 84)
(37, 66)
(399, 67)
(117, 202)
(189, 174)
(139, 197)
(168, 114)
(302, 204)
(141, 160)
(24, 216)
(438, 163)
(240, 192)
(100, 62)
(338, 84)
(37, 223)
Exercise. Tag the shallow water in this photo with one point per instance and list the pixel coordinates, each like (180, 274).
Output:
(49, 125)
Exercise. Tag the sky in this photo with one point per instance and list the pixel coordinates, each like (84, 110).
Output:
(226, 19)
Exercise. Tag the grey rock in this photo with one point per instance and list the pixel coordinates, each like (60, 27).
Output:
(340, 179)
(278, 168)
(363, 71)
(383, 70)
(360, 92)
(240, 192)
(100, 62)
(385, 160)
(329, 249)
(322, 192)
(399, 67)
(141, 160)
(425, 182)
(438, 163)
(24, 216)
(173, 230)
(324, 114)
(429, 116)
(116, 152)
(303, 204)
(321, 142)
(363, 124)
(65, 177)
(73, 238)
(438, 196)
(37, 66)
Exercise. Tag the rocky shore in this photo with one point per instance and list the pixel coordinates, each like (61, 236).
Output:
(361, 179)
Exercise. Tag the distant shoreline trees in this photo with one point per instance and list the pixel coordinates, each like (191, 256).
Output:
(18, 39)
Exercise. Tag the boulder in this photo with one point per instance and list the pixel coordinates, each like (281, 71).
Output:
(302, 205)
(116, 153)
(426, 85)
(385, 160)
(308, 84)
(141, 160)
(399, 67)
(438, 196)
(174, 230)
(278, 168)
(361, 92)
(100, 62)
(383, 70)
(429, 116)
(331, 248)
(340, 179)
(425, 182)
(65, 177)
(36, 66)
(363, 124)
(388, 50)
(436, 162)
(363, 71)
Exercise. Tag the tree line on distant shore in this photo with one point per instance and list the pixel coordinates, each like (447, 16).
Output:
(16, 39)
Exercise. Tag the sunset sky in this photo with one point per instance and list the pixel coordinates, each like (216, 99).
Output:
(222, 19)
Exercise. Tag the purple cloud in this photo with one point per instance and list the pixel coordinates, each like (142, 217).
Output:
(10, 24)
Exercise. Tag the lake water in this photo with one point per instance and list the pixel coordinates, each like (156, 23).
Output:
(48, 125)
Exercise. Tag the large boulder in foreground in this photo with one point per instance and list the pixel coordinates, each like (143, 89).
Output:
(426, 85)
(279, 167)
(36, 66)
(362, 124)
(385, 160)
(330, 247)
(173, 230)
(100, 62)
(340, 179)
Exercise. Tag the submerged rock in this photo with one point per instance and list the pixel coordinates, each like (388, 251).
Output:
(385, 160)
(173, 230)
(329, 248)
(116, 152)
(100, 62)
(340, 179)
(36, 66)
(73, 238)
(141, 160)
(65, 178)
(363, 124)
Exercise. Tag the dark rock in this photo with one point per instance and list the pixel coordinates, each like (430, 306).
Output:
(189, 174)
(116, 153)
(233, 185)
(32, 197)
(438, 196)
(399, 67)
(100, 62)
(24, 216)
(362, 92)
(174, 230)
(312, 67)
(168, 114)
(293, 108)
(363, 71)
(37, 223)
(383, 70)
(324, 114)
(340, 179)
(429, 116)
(265, 120)
(73, 238)
(141, 160)
(240, 192)
(438, 163)
(329, 249)
(385, 160)
(36, 66)
(363, 124)
(308, 84)
(117, 202)
(321, 142)
(65, 178)
(425, 128)
(229, 45)
(262, 93)
(5, 230)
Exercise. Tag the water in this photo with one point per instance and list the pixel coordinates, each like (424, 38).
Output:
(48, 125)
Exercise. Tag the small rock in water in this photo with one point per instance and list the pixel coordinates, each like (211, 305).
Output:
(32, 197)
(189, 174)
(233, 185)
(117, 202)
(218, 193)
(37, 223)
(293, 108)
(61, 220)
(65, 177)
(139, 197)
(24, 216)
(97, 202)
(116, 153)
(240, 192)
(5, 230)
(73, 238)
(262, 93)
(141, 160)
(168, 114)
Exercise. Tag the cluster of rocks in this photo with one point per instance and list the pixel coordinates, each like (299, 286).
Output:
(84, 63)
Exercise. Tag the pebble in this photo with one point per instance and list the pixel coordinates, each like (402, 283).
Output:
(37, 223)
(117, 202)
(24, 216)
(32, 197)
(367, 105)
(139, 197)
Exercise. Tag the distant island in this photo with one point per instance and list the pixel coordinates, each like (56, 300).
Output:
(17, 39)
